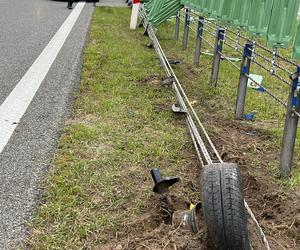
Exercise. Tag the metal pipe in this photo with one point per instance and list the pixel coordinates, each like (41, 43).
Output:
(290, 129)
(186, 29)
(177, 25)
(242, 87)
(199, 40)
(220, 32)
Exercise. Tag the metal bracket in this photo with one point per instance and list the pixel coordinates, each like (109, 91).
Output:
(295, 101)
(150, 45)
(174, 61)
(146, 31)
(221, 35)
(295, 78)
(245, 69)
(176, 108)
(167, 82)
(141, 23)
(187, 17)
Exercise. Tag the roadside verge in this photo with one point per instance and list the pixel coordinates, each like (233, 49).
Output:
(100, 189)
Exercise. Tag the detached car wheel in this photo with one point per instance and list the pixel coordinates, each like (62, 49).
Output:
(223, 207)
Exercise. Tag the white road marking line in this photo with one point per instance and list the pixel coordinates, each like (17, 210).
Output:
(16, 104)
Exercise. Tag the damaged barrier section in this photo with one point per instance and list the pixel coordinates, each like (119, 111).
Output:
(223, 203)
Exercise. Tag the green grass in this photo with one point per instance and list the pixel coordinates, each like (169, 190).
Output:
(121, 127)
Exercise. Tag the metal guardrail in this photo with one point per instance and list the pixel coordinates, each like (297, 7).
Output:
(249, 50)
(206, 151)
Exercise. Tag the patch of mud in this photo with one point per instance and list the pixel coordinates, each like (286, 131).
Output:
(163, 237)
(155, 231)
(155, 80)
(277, 210)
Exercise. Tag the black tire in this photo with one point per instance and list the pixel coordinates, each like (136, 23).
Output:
(223, 207)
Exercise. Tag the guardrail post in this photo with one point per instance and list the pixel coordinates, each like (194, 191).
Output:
(220, 34)
(177, 24)
(290, 128)
(199, 40)
(186, 29)
(242, 87)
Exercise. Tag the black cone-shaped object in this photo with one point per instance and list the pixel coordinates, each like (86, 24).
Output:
(161, 185)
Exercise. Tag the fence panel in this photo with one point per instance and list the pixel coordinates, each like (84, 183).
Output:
(241, 12)
(282, 23)
(296, 50)
(227, 11)
(259, 18)
(217, 8)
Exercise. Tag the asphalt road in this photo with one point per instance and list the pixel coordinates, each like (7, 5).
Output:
(26, 27)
